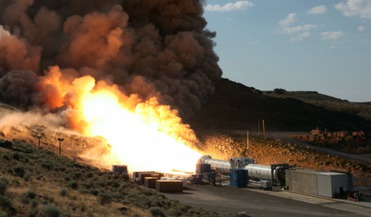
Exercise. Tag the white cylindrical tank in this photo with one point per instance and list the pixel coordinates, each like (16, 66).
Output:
(275, 172)
(259, 171)
(218, 165)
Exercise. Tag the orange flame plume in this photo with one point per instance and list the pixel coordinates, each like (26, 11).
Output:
(143, 134)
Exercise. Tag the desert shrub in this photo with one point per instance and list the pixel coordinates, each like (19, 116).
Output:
(160, 202)
(95, 192)
(63, 192)
(47, 165)
(33, 203)
(89, 175)
(16, 155)
(104, 198)
(3, 186)
(88, 184)
(31, 194)
(28, 196)
(143, 202)
(27, 176)
(156, 212)
(117, 195)
(5, 202)
(25, 200)
(125, 176)
(114, 184)
(175, 212)
(101, 181)
(73, 184)
(33, 213)
(5, 156)
(50, 210)
(19, 171)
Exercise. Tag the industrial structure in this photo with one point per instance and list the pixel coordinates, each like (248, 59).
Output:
(271, 175)
(242, 172)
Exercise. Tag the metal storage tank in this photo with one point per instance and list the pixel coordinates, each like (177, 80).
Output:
(259, 171)
(332, 184)
(302, 181)
(218, 165)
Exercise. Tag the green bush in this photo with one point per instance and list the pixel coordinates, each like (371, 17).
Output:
(5, 156)
(5, 202)
(157, 212)
(33, 203)
(27, 176)
(33, 213)
(73, 184)
(67, 178)
(88, 184)
(104, 198)
(3, 186)
(63, 192)
(19, 171)
(50, 210)
(25, 199)
(47, 165)
(16, 155)
(95, 192)
(30, 194)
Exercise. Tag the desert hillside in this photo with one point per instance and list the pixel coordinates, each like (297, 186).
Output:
(37, 182)
(235, 106)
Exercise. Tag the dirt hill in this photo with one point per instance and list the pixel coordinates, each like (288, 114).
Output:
(222, 124)
(235, 106)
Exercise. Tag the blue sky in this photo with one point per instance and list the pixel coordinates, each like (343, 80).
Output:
(318, 45)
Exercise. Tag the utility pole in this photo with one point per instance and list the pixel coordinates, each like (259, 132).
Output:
(263, 127)
(60, 145)
(39, 137)
(247, 139)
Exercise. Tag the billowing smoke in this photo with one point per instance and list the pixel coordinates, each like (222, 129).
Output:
(148, 48)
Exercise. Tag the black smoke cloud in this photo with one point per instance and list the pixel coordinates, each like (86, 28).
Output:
(152, 48)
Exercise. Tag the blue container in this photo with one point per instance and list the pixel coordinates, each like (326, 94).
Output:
(238, 173)
(238, 178)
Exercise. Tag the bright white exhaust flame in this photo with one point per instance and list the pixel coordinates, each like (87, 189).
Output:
(148, 137)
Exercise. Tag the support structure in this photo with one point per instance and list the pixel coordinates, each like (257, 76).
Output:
(60, 145)
(38, 137)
